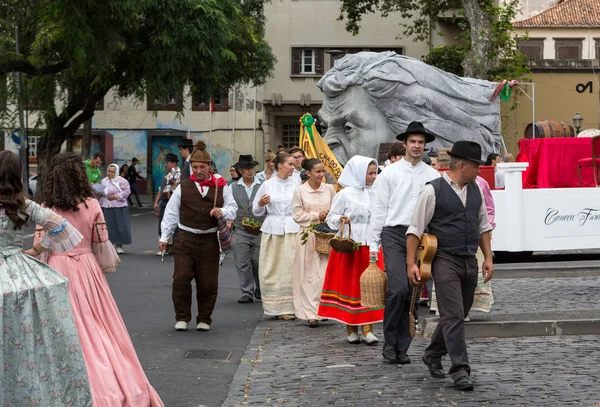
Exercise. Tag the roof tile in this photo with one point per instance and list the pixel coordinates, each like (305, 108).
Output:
(566, 14)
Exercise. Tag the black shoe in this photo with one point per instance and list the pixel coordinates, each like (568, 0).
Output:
(257, 296)
(402, 358)
(245, 300)
(389, 353)
(313, 323)
(435, 368)
(464, 383)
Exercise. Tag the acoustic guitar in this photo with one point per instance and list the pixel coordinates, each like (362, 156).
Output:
(425, 255)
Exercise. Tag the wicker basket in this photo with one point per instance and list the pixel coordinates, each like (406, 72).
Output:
(322, 241)
(253, 230)
(373, 286)
(341, 244)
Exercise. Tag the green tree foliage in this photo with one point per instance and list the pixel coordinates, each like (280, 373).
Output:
(489, 49)
(74, 51)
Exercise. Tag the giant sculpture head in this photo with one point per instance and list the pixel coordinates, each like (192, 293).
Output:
(371, 97)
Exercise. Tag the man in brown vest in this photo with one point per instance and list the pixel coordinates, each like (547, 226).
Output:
(192, 211)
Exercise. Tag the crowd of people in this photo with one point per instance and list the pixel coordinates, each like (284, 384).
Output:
(202, 216)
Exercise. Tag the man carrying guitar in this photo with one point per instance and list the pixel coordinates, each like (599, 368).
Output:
(453, 209)
(396, 192)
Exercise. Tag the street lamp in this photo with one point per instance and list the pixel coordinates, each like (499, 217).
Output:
(577, 122)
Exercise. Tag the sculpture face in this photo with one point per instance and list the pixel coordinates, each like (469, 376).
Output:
(352, 124)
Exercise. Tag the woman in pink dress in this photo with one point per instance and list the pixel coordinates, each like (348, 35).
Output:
(115, 373)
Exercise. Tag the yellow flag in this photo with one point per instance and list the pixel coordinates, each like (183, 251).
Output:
(315, 147)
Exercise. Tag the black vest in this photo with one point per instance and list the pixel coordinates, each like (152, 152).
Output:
(455, 226)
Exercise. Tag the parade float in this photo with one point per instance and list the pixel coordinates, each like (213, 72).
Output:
(369, 98)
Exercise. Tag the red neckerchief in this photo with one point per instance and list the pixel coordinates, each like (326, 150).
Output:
(212, 181)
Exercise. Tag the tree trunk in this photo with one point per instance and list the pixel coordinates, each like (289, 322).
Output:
(86, 142)
(476, 64)
(49, 145)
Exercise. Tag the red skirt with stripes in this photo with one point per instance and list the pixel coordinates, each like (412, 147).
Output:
(340, 299)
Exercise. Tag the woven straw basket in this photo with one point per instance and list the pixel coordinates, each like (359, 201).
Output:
(373, 285)
(322, 242)
(253, 230)
(341, 245)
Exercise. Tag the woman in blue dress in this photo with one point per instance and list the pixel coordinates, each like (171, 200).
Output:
(40, 353)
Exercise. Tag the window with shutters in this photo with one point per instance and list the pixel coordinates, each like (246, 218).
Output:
(597, 47)
(532, 48)
(171, 101)
(568, 48)
(307, 61)
(220, 102)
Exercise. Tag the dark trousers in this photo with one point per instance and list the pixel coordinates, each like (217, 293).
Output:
(395, 316)
(161, 215)
(134, 191)
(196, 258)
(246, 251)
(455, 282)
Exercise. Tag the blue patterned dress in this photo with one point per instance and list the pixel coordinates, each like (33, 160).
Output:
(40, 354)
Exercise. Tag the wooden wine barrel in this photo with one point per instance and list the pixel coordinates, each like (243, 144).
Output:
(550, 129)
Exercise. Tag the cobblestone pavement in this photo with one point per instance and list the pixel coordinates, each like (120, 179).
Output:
(534, 294)
(289, 364)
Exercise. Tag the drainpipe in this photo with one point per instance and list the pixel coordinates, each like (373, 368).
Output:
(254, 125)
(233, 129)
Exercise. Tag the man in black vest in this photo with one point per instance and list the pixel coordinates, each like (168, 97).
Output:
(246, 247)
(453, 209)
(193, 210)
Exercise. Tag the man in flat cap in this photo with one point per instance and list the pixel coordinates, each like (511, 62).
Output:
(168, 184)
(396, 192)
(194, 210)
(185, 150)
(453, 209)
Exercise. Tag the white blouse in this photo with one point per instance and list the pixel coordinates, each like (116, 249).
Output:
(355, 203)
(279, 220)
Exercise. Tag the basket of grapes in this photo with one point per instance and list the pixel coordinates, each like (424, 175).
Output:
(343, 244)
(323, 234)
(251, 226)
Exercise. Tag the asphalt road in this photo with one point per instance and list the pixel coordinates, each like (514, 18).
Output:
(142, 289)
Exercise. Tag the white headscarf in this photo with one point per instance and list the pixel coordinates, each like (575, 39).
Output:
(114, 180)
(355, 172)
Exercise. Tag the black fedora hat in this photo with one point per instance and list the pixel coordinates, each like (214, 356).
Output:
(171, 158)
(417, 128)
(468, 150)
(246, 161)
(185, 143)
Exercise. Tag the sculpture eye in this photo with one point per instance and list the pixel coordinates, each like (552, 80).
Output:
(348, 128)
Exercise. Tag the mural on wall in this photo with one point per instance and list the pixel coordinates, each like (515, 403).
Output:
(220, 155)
(128, 144)
(95, 147)
(161, 146)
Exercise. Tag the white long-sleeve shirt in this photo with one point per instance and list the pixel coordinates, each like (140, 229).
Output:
(171, 218)
(396, 193)
(279, 220)
(355, 203)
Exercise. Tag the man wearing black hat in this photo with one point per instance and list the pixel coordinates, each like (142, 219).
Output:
(396, 192)
(453, 209)
(168, 184)
(185, 149)
(246, 247)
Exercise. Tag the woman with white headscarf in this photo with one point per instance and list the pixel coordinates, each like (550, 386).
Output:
(340, 299)
(114, 205)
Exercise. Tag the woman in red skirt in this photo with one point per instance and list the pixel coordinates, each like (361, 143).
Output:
(340, 299)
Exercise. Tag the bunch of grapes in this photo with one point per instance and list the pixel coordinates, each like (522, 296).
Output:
(324, 228)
